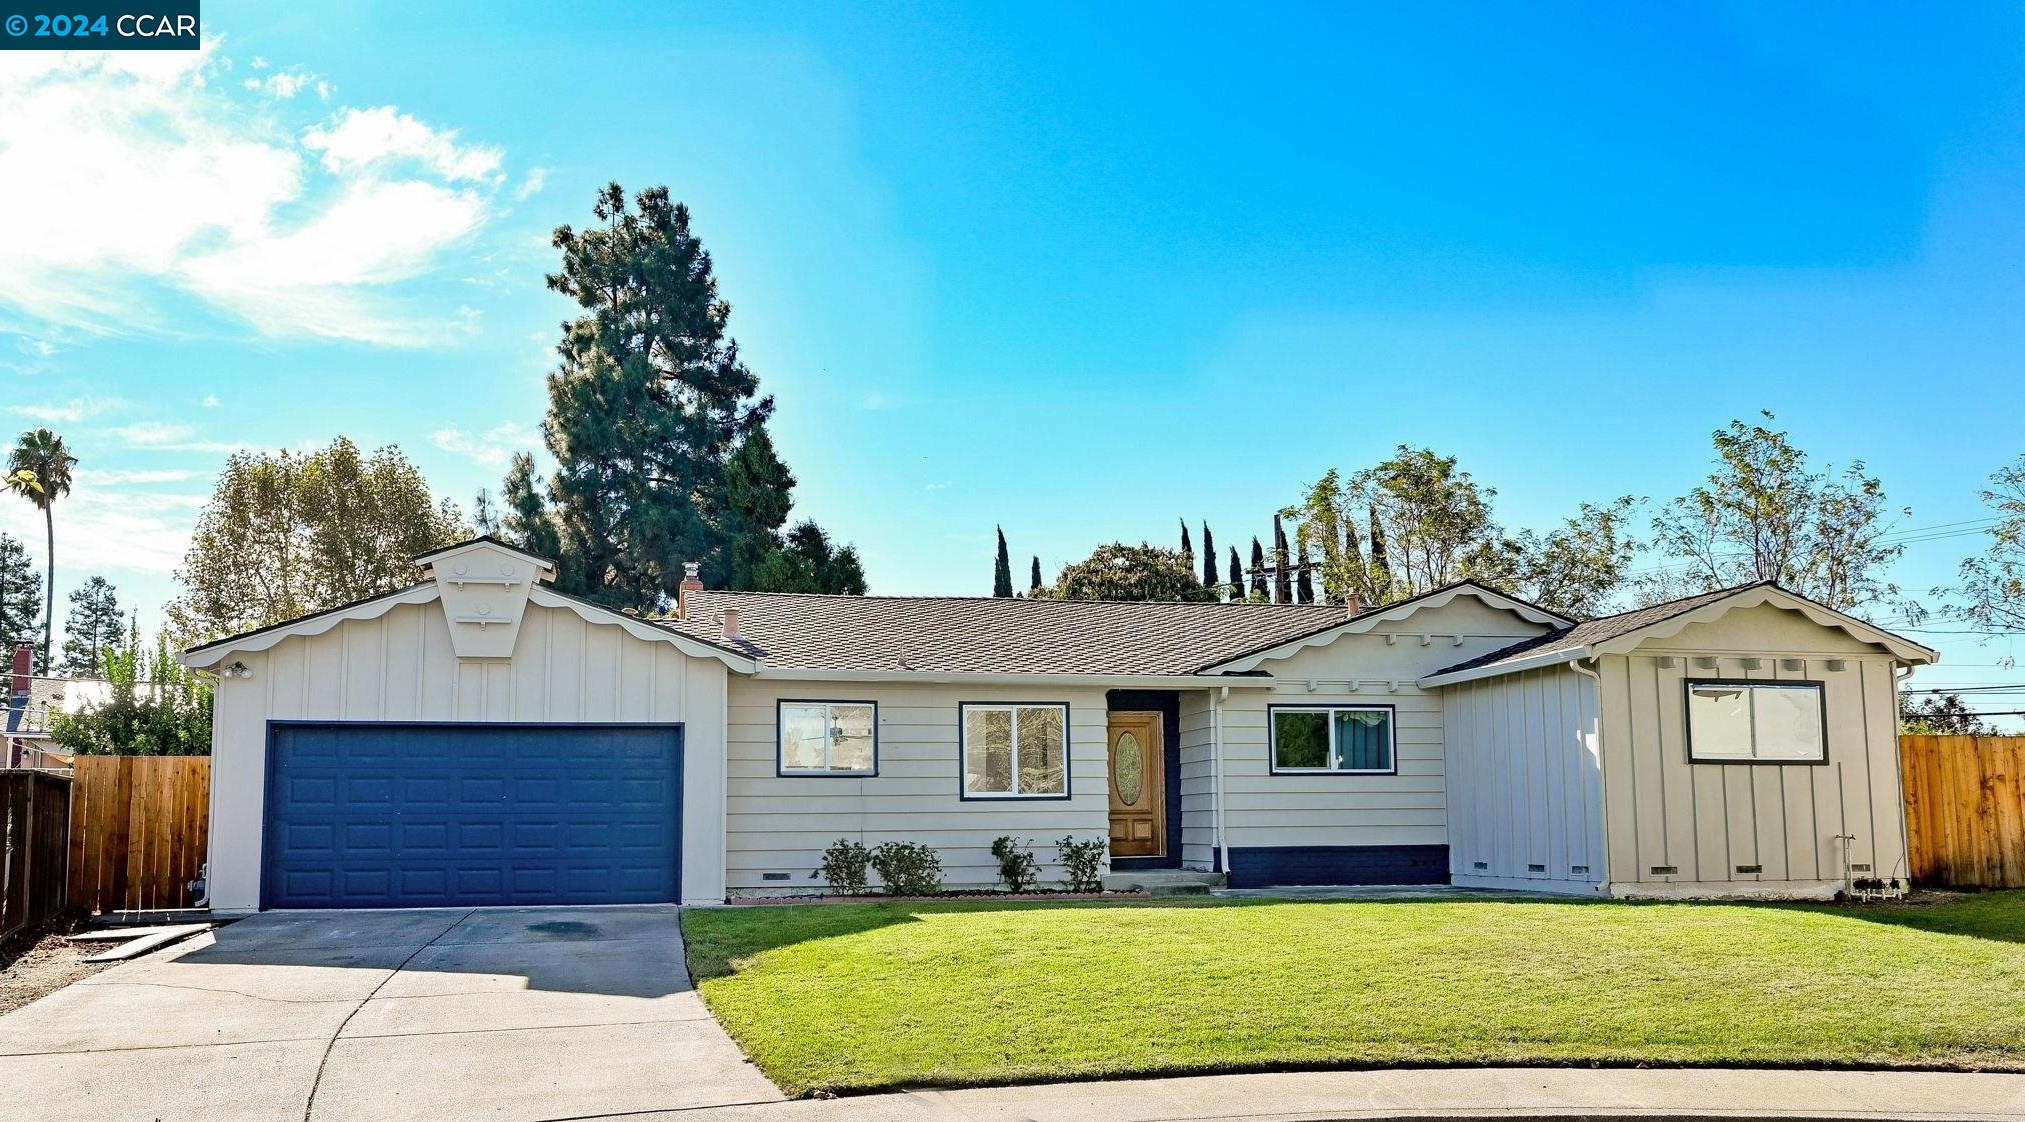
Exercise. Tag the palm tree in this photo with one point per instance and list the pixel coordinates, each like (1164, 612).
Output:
(38, 469)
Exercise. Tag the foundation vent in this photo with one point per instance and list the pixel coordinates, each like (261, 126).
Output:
(1750, 868)
(1666, 870)
(773, 876)
(1480, 864)
(1578, 870)
(1536, 868)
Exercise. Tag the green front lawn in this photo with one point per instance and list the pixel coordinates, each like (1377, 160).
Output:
(860, 996)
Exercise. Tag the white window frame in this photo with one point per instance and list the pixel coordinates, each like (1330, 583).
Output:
(963, 711)
(1329, 712)
(780, 764)
(1752, 686)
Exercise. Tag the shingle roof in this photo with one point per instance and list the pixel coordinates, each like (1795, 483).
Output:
(1592, 631)
(936, 634)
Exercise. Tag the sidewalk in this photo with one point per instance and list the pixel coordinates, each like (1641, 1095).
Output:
(1429, 1094)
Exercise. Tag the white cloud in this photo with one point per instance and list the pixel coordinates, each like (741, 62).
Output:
(532, 184)
(368, 138)
(493, 447)
(286, 84)
(116, 477)
(68, 412)
(40, 348)
(108, 528)
(199, 187)
(210, 401)
(166, 436)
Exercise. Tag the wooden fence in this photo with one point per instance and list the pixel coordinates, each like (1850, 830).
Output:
(139, 830)
(34, 844)
(1965, 809)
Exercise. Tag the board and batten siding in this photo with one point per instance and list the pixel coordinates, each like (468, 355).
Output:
(1198, 780)
(1262, 809)
(1705, 820)
(1525, 782)
(400, 667)
(781, 824)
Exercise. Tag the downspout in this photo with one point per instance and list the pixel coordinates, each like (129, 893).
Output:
(1602, 872)
(1220, 858)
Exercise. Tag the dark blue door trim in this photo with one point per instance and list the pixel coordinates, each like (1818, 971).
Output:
(1167, 703)
(416, 814)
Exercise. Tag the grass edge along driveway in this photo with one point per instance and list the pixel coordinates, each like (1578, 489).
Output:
(858, 997)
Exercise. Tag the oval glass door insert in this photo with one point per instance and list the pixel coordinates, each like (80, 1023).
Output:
(1128, 769)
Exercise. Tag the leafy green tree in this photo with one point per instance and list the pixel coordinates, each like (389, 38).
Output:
(1415, 522)
(1034, 581)
(810, 562)
(1304, 581)
(1001, 569)
(1208, 558)
(1940, 714)
(1574, 569)
(287, 534)
(1128, 572)
(20, 594)
(656, 425)
(1991, 593)
(157, 708)
(1764, 514)
(38, 469)
(1234, 583)
(93, 626)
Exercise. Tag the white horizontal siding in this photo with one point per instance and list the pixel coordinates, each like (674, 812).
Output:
(781, 824)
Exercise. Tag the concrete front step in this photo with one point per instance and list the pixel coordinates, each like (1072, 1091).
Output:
(1164, 882)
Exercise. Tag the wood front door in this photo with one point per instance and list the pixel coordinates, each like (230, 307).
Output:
(1138, 786)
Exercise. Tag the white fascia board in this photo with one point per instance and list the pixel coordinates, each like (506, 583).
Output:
(211, 654)
(1366, 622)
(996, 678)
(1530, 662)
(1905, 650)
(639, 629)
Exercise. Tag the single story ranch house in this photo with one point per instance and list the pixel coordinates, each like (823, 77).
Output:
(480, 738)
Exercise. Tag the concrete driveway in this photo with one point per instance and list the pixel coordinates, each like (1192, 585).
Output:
(503, 1014)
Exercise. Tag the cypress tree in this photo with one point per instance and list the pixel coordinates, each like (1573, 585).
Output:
(1208, 557)
(1235, 590)
(1304, 589)
(1283, 577)
(1001, 569)
(1259, 590)
(1381, 567)
(1187, 547)
(1035, 586)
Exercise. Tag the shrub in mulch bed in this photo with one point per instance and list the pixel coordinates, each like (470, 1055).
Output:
(953, 894)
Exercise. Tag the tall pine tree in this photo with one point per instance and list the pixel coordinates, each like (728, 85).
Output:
(1208, 558)
(1001, 569)
(20, 595)
(93, 625)
(1235, 589)
(658, 428)
(1304, 584)
(1259, 589)
(1035, 583)
(1187, 547)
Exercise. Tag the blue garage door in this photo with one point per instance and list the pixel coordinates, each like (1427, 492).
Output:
(410, 816)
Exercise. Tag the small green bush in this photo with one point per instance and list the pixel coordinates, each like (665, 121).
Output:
(908, 869)
(1017, 869)
(1082, 860)
(844, 866)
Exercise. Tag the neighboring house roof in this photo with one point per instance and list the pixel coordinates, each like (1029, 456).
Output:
(994, 635)
(52, 695)
(1394, 612)
(1616, 634)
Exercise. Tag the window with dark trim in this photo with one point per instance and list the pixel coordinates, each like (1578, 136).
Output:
(828, 738)
(1015, 751)
(1756, 722)
(1332, 739)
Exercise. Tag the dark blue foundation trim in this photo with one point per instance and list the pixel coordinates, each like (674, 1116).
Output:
(1167, 703)
(1284, 865)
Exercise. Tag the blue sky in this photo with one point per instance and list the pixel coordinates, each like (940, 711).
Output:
(1079, 272)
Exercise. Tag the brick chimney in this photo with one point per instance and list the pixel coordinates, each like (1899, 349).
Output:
(1352, 605)
(19, 686)
(691, 582)
(731, 623)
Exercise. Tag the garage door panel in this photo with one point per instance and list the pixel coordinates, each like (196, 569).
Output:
(384, 815)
